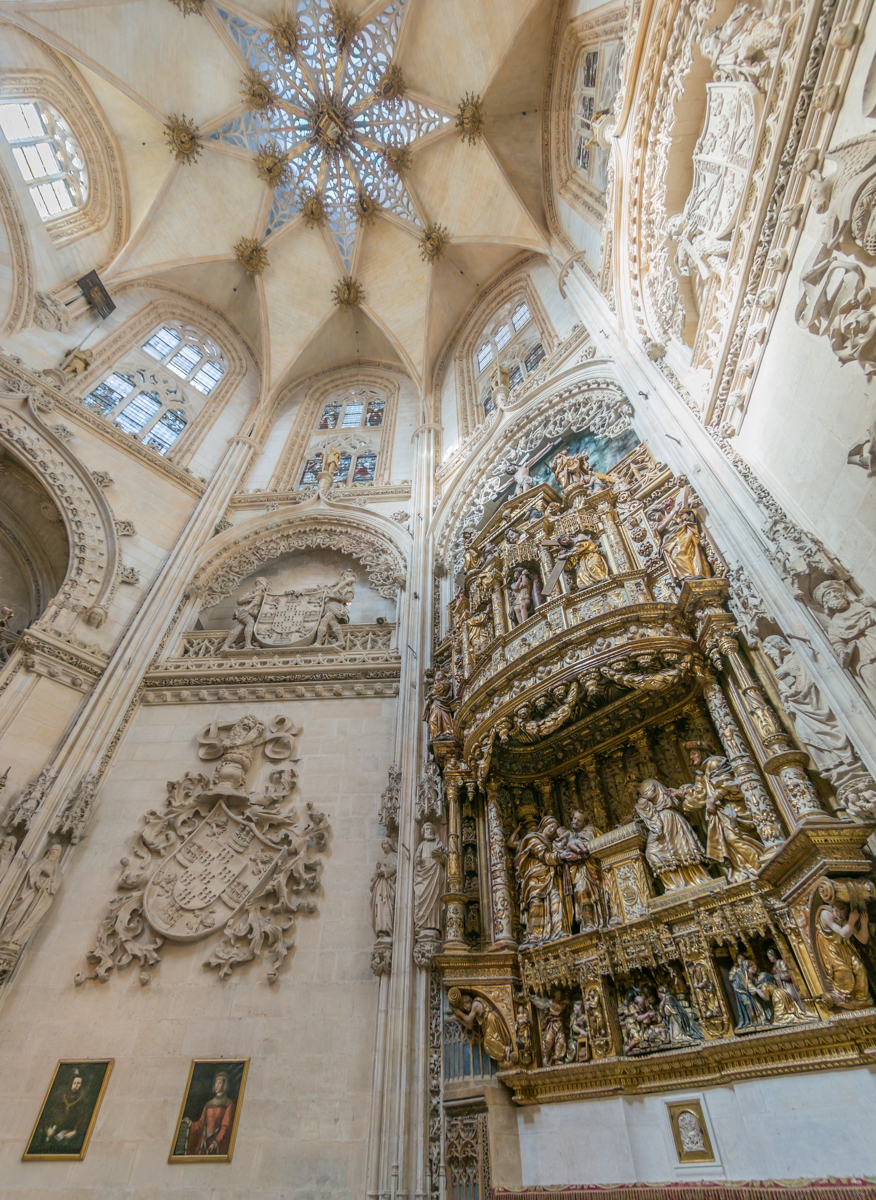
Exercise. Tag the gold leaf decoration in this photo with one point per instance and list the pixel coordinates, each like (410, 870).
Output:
(272, 165)
(347, 292)
(344, 25)
(391, 84)
(251, 255)
(433, 243)
(312, 208)
(188, 8)
(258, 95)
(183, 138)
(284, 31)
(470, 119)
(397, 159)
(366, 208)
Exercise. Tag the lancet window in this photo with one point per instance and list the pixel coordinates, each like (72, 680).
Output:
(156, 392)
(597, 82)
(510, 341)
(48, 156)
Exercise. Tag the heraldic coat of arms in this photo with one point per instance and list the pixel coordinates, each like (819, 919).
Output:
(218, 857)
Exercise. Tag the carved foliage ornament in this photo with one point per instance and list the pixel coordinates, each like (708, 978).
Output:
(183, 138)
(251, 255)
(221, 854)
(384, 564)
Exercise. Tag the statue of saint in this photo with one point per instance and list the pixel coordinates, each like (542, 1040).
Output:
(673, 850)
(32, 902)
(525, 594)
(681, 539)
(332, 460)
(578, 1048)
(537, 864)
(553, 1033)
(383, 890)
(581, 883)
(438, 714)
(716, 794)
(477, 1017)
(852, 630)
(429, 860)
(743, 982)
(591, 566)
(839, 922)
(782, 1007)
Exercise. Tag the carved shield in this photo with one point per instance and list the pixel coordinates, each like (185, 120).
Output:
(723, 156)
(289, 620)
(209, 878)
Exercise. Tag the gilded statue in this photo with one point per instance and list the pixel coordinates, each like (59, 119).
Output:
(438, 714)
(743, 981)
(642, 1026)
(716, 794)
(525, 594)
(679, 1018)
(475, 1016)
(779, 971)
(580, 553)
(553, 1032)
(581, 890)
(574, 470)
(841, 920)
(332, 461)
(537, 864)
(523, 1035)
(783, 1010)
(578, 1049)
(673, 850)
(852, 630)
(681, 538)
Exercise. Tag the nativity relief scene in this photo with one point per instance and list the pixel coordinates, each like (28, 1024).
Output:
(438, 599)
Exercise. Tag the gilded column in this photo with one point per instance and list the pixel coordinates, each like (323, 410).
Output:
(454, 897)
(757, 798)
(500, 874)
(780, 758)
(500, 621)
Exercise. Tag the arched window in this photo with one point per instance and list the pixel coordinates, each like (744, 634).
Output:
(598, 82)
(47, 155)
(357, 408)
(513, 340)
(155, 394)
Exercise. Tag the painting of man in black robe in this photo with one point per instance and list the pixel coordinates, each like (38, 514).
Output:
(69, 1110)
(210, 1112)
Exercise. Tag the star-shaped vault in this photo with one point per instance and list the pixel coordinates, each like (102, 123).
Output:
(339, 113)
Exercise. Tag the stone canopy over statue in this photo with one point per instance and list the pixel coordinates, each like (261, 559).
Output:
(296, 617)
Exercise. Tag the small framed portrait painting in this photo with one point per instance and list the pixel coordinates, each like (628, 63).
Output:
(63, 1128)
(210, 1111)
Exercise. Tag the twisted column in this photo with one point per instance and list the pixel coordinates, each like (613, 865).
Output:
(500, 874)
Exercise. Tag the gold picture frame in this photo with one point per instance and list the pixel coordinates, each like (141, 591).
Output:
(63, 1129)
(205, 1130)
(691, 1136)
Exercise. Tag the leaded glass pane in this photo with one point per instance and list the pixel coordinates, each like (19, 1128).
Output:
(521, 316)
(374, 415)
(185, 361)
(343, 470)
(139, 412)
(165, 431)
(330, 415)
(503, 336)
(108, 394)
(485, 355)
(311, 471)
(534, 357)
(162, 342)
(352, 416)
(208, 377)
(365, 465)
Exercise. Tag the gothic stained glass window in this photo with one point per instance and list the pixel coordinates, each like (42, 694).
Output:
(330, 415)
(374, 415)
(515, 377)
(187, 353)
(534, 357)
(365, 464)
(342, 473)
(352, 416)
(521, 316)
(165, 431)
(136, 415)
(47, 155)
(311, 471)
(485, 356)
(503, 336)
(107, 395)
(162, 343)
(591, 60)
(489, 402)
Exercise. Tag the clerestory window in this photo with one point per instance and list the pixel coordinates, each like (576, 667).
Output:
(356, 408)
(47, 155)
(511, 339)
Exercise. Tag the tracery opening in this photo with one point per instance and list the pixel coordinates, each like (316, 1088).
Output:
(48, 156)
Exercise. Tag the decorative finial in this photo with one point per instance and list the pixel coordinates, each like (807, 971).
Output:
(284, 31)
(433, 242)
(258, 95)
(347, 292)
(344, 25)
(272, 165)
(470, 119)
(366, 208)
(397, 159)
(189, 7)
(183, 138)
(391, 84)
(312, 208)
(251, 255)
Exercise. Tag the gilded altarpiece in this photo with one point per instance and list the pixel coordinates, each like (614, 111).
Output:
(647, 883)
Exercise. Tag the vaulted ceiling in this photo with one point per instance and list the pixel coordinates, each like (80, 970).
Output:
(144, 61)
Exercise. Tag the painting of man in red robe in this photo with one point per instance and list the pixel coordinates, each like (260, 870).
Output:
(208, 1121)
